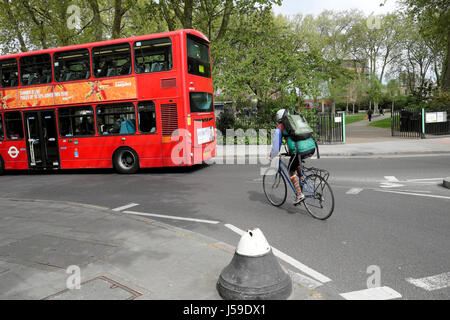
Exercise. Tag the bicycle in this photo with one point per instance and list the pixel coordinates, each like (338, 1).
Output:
(319, 197)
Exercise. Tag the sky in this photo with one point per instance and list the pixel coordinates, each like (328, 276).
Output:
(315, 7)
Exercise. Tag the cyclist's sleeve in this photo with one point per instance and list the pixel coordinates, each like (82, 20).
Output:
(276, 144)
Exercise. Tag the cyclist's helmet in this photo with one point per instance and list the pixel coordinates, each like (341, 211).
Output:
(280, 114)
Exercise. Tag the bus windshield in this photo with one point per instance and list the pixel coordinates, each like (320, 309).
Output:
(198, 57)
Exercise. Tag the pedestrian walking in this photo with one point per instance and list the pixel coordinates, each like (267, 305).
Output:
(369, 114)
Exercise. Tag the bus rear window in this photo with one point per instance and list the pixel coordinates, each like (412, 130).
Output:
(201, 102)
(198, 57)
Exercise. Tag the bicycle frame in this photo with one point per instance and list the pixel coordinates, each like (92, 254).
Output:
(283, 168)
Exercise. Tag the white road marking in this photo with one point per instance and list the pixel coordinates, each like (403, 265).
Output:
(354, 191)
(170, 217)
(432, 283)
(128, 206)
(379, 293)
(417, 180)
(304, 280)
(391, 179)
(391, 185)
(300, 266)
(414, 194)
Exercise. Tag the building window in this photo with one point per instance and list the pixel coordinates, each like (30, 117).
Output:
(153, 55)
(76, 121)
(72, 65)
(13, 125)
(36, 69)
(9, 73)
(117, 118)
(112, 61)
(147, 117)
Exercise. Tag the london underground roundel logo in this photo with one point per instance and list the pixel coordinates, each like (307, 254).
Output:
(13, 152)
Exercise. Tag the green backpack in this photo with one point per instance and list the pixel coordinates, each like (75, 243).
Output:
(304, 148)
(296, 127)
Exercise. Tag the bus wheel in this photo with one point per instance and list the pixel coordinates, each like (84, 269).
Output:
(126, 161)
(2, 165)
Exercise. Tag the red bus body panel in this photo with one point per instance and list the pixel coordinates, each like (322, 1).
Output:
(167, 88)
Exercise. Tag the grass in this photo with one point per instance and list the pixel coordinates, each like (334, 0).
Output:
(385, 123)
(354, 118)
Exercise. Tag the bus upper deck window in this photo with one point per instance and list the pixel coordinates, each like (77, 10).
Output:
(9, 73)
(35, 69)
(153, 55)
(72, 65)
(111, 61)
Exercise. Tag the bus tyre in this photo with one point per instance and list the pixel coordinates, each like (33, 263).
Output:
(126, 161)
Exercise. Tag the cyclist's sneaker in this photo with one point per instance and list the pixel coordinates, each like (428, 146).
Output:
(299, 199)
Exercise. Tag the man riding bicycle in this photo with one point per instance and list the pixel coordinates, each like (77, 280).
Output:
(295, 160)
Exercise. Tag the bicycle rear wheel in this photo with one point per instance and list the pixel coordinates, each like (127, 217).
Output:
(275, 188)
(319, 201)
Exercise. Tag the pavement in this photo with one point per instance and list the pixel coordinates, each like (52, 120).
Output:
(45, 244)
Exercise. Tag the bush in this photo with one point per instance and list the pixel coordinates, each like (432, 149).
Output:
(225, 121)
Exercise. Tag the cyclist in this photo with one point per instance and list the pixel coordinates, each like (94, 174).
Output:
(294, 162)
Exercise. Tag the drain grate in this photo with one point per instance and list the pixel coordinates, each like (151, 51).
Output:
(99, 288)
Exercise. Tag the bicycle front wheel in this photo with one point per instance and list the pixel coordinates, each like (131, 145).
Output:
(275, 187)
(319, 200)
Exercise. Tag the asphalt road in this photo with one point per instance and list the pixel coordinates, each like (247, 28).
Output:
(391, 213)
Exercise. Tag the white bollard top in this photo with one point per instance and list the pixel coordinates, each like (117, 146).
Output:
(253, 244)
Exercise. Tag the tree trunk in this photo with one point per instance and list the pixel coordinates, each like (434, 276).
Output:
(15, 25)
(446, 71)
(117, 22)
(188, 12)
(225, 19)
(97, 20)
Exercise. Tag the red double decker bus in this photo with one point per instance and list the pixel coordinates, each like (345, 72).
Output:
(131, 103)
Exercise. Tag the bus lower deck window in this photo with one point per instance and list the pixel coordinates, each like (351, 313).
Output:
(116, 119)
(147, 117)
(76, 121)
(13, 125)
(2, 134)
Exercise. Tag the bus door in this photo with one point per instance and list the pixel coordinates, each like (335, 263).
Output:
(42, 139)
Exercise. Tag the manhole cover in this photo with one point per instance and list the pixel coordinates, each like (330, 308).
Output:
(100, 288)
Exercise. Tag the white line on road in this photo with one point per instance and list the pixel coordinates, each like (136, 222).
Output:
(300, 266)
(128, 206)
(170, 217)
(414, 194)
(391, 179)
(379, 293)
(432, 283)
(354, 191)
(417, 180)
